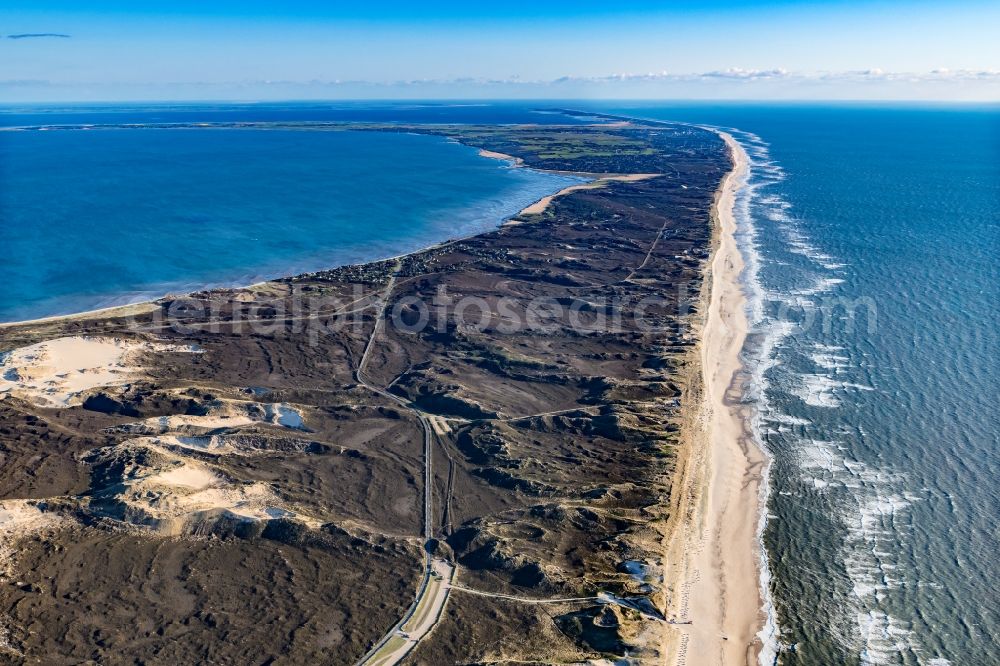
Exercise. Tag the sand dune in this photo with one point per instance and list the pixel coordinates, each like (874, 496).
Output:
(56, 373)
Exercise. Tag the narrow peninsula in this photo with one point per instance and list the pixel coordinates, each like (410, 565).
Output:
(492, 450)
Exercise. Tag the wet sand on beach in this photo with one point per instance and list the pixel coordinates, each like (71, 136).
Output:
(713, 553)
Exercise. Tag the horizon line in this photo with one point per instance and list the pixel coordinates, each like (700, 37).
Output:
(507, 100)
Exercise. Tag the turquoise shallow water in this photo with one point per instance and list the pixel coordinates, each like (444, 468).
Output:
(100, 217)
(873, 235)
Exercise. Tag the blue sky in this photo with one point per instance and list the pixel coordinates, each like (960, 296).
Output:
(782, 49)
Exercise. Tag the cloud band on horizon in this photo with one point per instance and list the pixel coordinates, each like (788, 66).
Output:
(734, 83)
(38, 35)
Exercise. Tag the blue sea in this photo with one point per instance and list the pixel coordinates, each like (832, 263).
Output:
(872, 235)
(99, 217)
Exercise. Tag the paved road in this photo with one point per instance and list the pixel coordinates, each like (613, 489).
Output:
(419, 619)
(439, 574)
(432, 595)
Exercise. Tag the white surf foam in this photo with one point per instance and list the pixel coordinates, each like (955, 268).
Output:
(867, 501)
(757, 364)
(878, 636)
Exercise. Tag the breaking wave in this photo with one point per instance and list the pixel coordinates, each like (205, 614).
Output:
(789, 361)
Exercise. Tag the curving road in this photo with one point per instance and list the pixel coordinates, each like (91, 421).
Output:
(432, 595)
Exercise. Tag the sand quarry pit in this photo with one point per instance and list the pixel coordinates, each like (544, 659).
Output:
(57, 373)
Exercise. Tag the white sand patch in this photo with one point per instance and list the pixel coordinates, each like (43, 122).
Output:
(223, 414)
(190, 422)
(174, 492)
(249, 500)
(188, 476)
(175, 508)
(56, 373)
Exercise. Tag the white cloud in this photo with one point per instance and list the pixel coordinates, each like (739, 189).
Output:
(732, 83)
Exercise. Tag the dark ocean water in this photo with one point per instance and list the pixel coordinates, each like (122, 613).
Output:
(873, 236)
(101, 217)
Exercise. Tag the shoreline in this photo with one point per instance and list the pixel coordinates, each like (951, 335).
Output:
(142, 306)
(542, 204)
(534, 208)
(715, 272)
(713, 562)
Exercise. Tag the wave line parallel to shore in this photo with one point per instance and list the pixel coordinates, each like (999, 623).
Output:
(715, 566)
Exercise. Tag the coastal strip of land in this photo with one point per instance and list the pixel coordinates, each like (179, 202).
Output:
(714, 556)
(498, 416)
(542, 204)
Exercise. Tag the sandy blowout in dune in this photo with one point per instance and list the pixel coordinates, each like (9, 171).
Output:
(56, 373)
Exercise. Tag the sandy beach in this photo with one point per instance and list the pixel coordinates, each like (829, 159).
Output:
(543, 203)
(493, 155)
(713, 556)
(125, 310)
